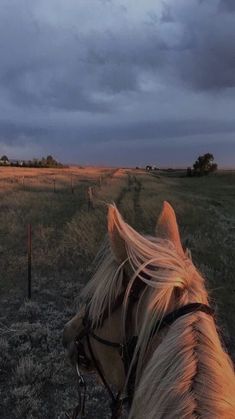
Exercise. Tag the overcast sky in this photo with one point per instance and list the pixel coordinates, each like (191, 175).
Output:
(118, 82)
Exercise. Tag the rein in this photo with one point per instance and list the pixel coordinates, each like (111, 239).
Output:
(126, 349)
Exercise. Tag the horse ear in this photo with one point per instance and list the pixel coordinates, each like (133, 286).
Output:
(167, 227)
(115, 234)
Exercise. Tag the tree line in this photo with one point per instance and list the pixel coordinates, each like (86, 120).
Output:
(48, 161)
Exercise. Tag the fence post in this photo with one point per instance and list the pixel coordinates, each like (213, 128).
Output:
(129, 182)
(90, 198)
(54, 183)
(29, 258)
(72, 189)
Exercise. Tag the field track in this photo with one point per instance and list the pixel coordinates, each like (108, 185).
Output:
(36, 381)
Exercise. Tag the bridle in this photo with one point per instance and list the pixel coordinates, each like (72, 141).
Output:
(126, 349)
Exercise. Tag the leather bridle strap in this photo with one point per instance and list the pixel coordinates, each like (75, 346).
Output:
(182, 311)
(106, 342)
(116, 401)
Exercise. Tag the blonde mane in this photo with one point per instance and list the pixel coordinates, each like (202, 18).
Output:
(188, 374)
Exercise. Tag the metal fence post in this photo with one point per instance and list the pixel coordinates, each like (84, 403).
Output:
(29, 258)
(72, 188)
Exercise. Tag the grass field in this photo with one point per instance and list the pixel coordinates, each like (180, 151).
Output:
(36, 381)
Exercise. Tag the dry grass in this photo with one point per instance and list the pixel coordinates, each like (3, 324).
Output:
(35, 379)
(14, 178)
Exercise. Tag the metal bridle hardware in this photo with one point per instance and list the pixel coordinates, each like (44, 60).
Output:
(80, 408)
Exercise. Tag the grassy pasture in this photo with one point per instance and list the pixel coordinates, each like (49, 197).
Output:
(35, 378)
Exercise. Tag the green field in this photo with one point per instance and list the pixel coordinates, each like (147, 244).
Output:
(36, 380)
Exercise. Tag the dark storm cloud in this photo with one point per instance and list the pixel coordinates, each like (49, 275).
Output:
(119, 133)
(166, 15)
(12, 131)
(104, 71)
(159, 131)
(209, 62)
(227, 5)
(46, 65)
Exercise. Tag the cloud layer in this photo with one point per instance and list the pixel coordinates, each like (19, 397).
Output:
(88, 80)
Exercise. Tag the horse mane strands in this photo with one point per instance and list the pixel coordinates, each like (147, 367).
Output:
(188, 375)
(105, 284)
(157, 263)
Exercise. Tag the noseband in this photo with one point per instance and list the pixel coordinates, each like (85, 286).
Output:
(125, 349)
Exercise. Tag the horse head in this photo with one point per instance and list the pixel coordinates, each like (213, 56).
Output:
(147, 309)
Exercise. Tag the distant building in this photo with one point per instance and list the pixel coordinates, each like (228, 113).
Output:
(4, 163)
(151, 167)
(14, 162)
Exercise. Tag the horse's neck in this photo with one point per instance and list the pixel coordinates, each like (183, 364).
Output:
(188, 375)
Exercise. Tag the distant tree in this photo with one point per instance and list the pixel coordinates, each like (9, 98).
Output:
(35, 162)
(189, 171)
(214, 167)
(43, 162)
(204, 165)
(50, 161)
(4, 159)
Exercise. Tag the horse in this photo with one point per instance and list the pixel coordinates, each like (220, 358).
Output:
(148, 329)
